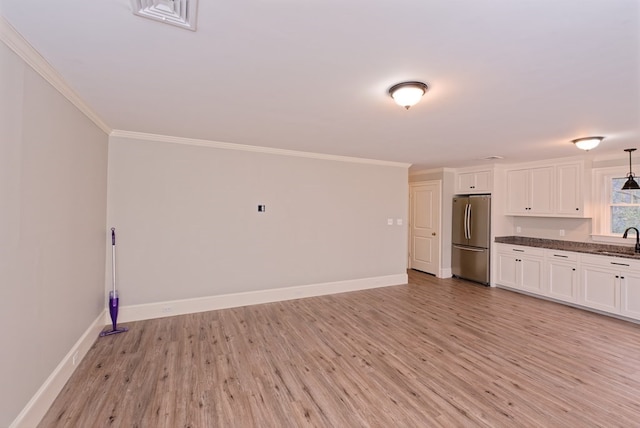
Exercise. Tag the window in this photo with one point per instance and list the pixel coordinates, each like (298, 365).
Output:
(618, 209)
(624, 207)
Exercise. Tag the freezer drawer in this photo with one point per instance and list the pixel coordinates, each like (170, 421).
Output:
(470, 263)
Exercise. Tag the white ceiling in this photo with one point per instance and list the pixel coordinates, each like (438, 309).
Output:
(515, 78)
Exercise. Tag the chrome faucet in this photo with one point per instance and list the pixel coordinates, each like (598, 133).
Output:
(624, 235)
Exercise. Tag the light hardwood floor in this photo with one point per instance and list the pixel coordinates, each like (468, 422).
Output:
(434, 353)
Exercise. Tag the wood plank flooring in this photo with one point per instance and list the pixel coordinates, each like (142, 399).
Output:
(434, 353)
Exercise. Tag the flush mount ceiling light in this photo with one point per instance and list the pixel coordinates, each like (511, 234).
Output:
(630, 184)
(407, 94)
(181, 13)
(587, 143)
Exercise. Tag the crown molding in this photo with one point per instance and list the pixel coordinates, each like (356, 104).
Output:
(431, 171)
(117, 133)
(28, 54)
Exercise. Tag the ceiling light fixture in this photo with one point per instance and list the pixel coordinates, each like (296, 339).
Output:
(587, 143)
(630, 184)
(407, 94)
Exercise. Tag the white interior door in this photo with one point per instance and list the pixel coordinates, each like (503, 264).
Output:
(424, 251)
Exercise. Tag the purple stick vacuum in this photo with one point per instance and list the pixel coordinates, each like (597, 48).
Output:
(113, 294)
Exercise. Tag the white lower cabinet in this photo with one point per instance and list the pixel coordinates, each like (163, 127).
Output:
(562, 275)
(507, 274)
(521, 267)
(611, 284)
(630, 295)
(600, 288)
(531, 274)
(605, 283)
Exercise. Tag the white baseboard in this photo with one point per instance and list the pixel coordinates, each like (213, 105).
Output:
(211, 303)
(445, 273)
(37, 407)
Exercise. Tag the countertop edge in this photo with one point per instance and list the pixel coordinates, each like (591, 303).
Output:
(574, 246)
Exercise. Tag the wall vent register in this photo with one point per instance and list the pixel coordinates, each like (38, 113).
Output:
(181, 13)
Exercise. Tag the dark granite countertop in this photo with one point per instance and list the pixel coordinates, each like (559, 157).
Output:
(579, 247)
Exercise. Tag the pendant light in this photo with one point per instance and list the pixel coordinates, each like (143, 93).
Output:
(407, 94)
(630, 184)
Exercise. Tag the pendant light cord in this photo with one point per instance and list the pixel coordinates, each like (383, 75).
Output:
(631, 174)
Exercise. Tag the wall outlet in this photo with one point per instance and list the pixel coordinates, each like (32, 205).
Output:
(166, 309)
(399, 222)
(561, 232)
(518, 229)
(74, 359)
(390, 222)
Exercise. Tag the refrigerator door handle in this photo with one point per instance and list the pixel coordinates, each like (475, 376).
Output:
(467, 215)
(476, 250)
(466, 221)
(469, 222)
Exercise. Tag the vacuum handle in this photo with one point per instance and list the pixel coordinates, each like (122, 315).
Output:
(113, 236)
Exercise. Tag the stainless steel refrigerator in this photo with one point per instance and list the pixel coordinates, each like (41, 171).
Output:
(471, 237)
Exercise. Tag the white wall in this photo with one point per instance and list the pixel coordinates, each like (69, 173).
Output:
(188, 226)
(575, 229)
(53, 164)
(448, 190)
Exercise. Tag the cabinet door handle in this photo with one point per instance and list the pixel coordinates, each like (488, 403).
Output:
(560, 255)
(622, 277)
(619, 264)
(573, 269)
(520, 251)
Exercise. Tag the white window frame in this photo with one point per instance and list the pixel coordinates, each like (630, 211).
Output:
(601, 206)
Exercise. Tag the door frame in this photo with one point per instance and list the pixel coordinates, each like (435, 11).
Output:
(439, 271)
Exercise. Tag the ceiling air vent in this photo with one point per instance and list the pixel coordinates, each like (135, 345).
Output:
(175, 12)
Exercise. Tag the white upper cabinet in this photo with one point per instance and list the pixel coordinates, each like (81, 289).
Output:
(556, 190)
(569, 189)
(474, 181)
(518, 191)
(529, 191)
